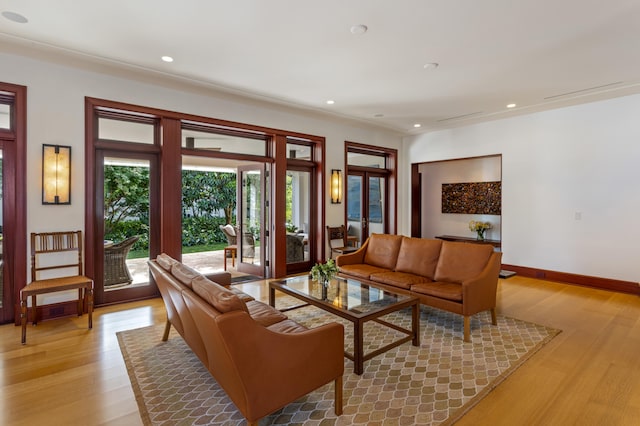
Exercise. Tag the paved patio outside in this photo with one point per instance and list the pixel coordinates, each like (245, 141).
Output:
(204, 262)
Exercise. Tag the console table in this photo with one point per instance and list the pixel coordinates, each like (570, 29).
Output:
(495, 243)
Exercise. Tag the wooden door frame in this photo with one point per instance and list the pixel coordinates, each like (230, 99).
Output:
(138, 292)
(14, 193)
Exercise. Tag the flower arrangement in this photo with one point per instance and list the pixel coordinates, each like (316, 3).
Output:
(324, 272)
(479, 228)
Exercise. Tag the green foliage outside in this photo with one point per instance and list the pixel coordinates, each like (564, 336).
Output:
(126, 204)
(206, 193)
(204, 196)
(288, 214)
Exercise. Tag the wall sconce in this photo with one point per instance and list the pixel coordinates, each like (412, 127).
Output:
(336, 186)
(56, 174)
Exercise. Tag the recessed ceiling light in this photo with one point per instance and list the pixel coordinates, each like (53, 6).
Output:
(330, 102)
(359, 29)
(15, 17)
(417, 125)
(167, 58)
(379, 115)
(511, 105)
(431, 65)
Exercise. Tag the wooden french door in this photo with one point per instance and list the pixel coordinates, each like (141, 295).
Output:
(367, 204)
(252, 217)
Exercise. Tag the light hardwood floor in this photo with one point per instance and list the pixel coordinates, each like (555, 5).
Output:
(588, 375)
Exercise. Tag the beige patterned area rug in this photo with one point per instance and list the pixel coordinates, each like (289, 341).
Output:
(434, 384)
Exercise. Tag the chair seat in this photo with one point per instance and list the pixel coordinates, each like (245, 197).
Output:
(338, 235)
(56, 284)
(59, 244)
(343, 250)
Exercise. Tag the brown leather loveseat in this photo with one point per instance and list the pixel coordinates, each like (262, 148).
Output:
(262, 359)
(458, 277)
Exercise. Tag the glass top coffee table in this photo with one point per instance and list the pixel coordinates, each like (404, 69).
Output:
(356, 302)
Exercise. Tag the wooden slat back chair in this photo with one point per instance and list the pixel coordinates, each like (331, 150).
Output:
(49, 247)
(338, 240)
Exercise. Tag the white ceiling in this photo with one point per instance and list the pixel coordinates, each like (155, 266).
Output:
(538, 54)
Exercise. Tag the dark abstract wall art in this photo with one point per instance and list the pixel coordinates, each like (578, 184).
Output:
(472, 198)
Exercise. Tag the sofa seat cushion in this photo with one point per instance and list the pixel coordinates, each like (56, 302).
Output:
(264, 314)
(398, 279)
(221, 298)
(442, 290)
(419, 256)
(287, 326)
(382, 250)
(461, 261)
(361, 270)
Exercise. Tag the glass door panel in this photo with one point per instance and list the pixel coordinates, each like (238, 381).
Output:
(127, 226)
(356, 224)
(376, 204)
(251, 217)
(298, 220)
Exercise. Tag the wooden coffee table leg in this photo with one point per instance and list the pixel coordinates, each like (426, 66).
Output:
(358, 355)
(272, 297)
(415, 324)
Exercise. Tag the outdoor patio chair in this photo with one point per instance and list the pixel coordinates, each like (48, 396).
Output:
(230, 232)
(295, 248)
(248, 246)
(115, 266)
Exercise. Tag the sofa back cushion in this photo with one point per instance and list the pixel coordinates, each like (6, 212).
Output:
(222, 299)
(183, 273)
(166, 261)
(419, 256)
(382, 250)
(459, 262)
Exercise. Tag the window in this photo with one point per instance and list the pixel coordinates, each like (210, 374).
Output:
(222, 139)
(5, 115)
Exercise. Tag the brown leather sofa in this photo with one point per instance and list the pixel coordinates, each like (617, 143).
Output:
(262, 359)
(458, 277)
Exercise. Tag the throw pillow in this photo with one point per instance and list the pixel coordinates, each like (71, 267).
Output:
(230, 230)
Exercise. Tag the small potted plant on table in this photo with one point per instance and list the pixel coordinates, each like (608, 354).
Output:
(324, 272)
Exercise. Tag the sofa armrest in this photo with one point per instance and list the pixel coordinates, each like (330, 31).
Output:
(479, 293)
(277, 368)
(353, 258)
(222, 278)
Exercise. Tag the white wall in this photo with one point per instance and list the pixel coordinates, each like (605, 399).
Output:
(55, 114)
(434, 222)
(580, 161)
